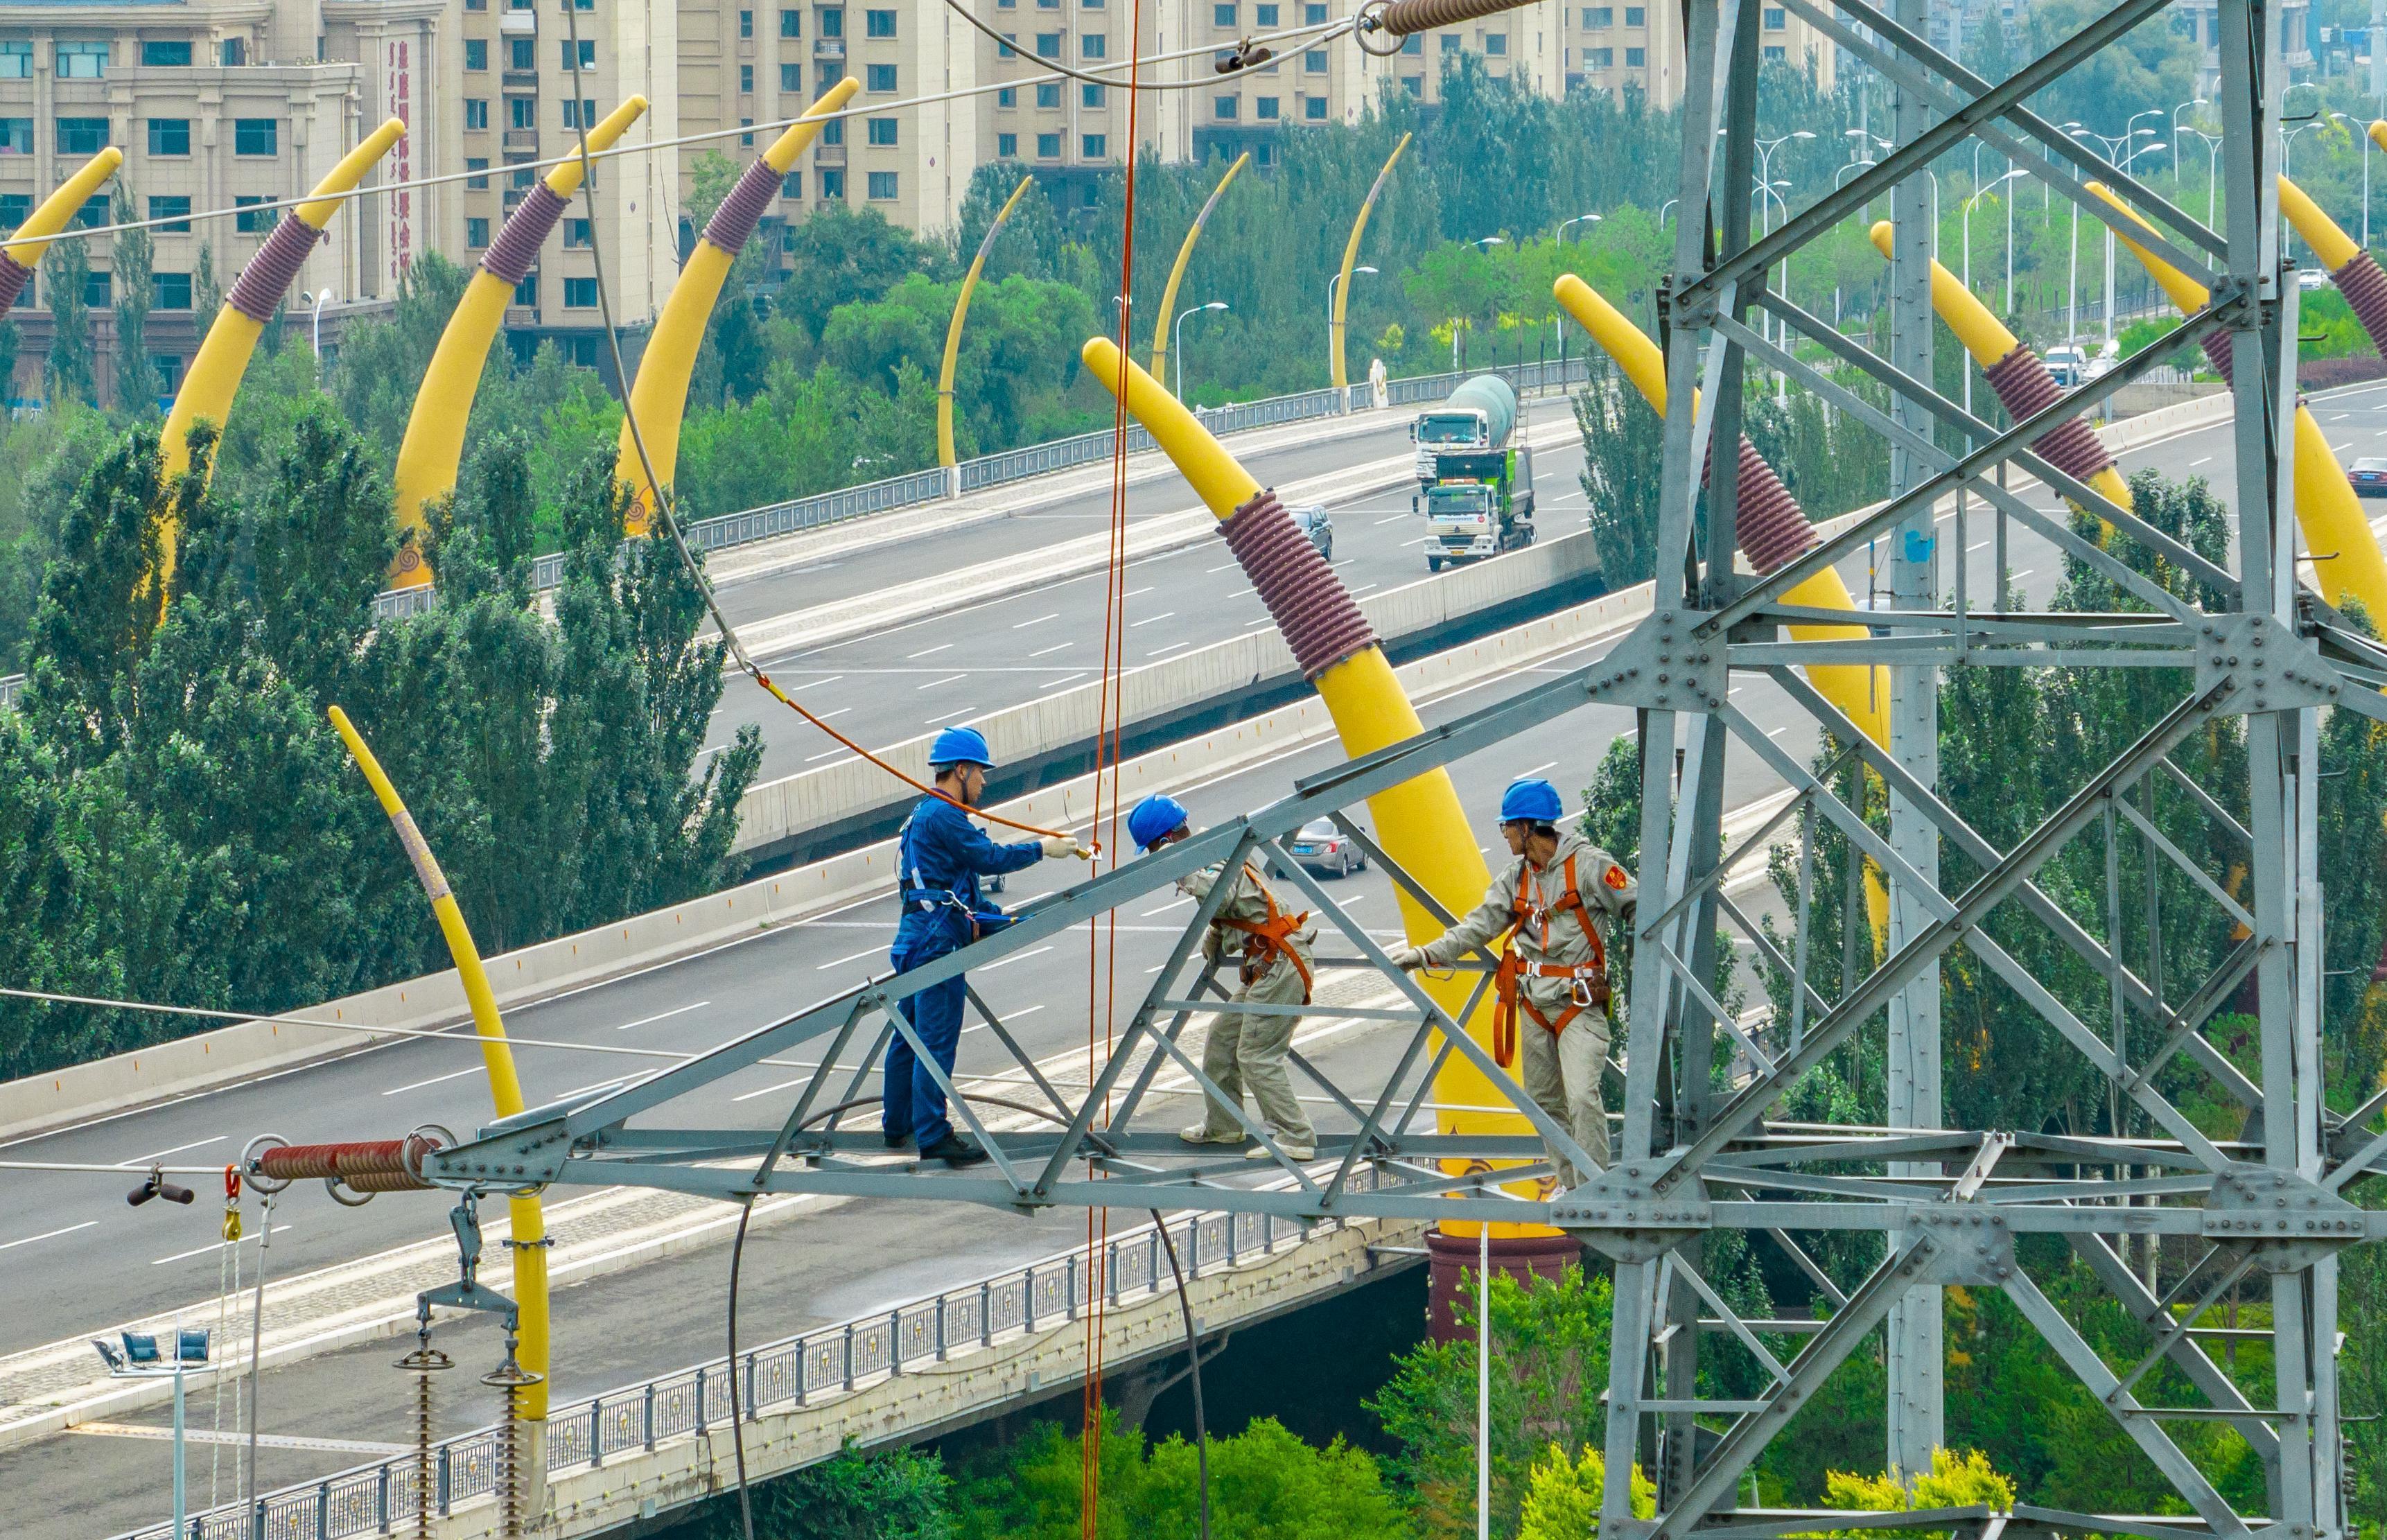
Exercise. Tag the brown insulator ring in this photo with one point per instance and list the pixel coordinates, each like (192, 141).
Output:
(2365, 287)
(510, 257)
(1321, 620)
(13, 276)
(1404, 16)
(1772, 528)
(733, 223)
(367, 1166)
(2026, 389)
(266, 281)
(383, 1181)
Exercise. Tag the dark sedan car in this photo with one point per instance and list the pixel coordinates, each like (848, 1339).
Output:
(2369, 476)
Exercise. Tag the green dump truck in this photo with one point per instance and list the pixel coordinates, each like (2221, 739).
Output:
(1475, 485)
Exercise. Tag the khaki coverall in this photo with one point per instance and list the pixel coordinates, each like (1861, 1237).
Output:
(1245, 1051)
(1561, 1072)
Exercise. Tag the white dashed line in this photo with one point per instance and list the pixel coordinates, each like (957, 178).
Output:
(927, 651)
(1041, 650)
(1016, 958)
(436, 1080)
(52, 1235)
(676, 1010)
(841, 962)
(934, 682)
(1165, 614)
(1022, 625)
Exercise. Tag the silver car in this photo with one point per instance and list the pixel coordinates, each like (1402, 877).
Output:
(1328, 851)
(1311, 520)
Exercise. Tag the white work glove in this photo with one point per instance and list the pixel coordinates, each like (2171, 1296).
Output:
(1404, 955)
(1056, 845)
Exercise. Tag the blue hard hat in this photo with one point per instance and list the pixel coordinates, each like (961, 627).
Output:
(959, 746)
(1530, 800)
(1153, 820)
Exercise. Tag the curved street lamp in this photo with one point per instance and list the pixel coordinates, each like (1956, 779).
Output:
(1333, 321)
(1177, 341)
(1579, 219)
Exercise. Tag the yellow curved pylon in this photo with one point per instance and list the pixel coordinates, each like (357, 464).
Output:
(30, 242)
(1862, 692)
(1420, 822)
(207, 390)
(954, 327)
(1159, 370)
(433, 446)
(1351, 255)
(2330, 515)
(528, 1223)
(659, 396)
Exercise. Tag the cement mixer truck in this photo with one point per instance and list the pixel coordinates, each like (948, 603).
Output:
(1475, 485)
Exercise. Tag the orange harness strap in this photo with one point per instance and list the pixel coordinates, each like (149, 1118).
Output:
(1590, 978)
(1271, 939)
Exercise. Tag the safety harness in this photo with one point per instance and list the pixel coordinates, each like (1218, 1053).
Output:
(1266, 940)
(914, 889)
(1589, 980)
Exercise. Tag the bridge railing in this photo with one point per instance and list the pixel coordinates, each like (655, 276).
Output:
(915, 487)
(790, 1372)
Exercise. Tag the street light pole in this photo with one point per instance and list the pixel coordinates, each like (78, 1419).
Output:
(2362, 138)
(1579, 219)
(1965, 215)
(1332, 279)
(1177, 340)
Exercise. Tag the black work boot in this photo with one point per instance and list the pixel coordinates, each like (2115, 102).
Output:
(954, 1150)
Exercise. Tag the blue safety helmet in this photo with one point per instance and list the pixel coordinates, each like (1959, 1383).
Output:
(1153, 820)
(1530, 800)
(959, 746)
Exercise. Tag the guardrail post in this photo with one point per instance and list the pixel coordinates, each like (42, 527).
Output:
(700, 1398)
(648, 1413)
(1110, 1272)
(323, 1512)
(849, 1355)
(804, 1368)
(750, 1414)
(381, 1500)
(446, 1482)
(1070, 1286)
(257, 1519)
(1028, 1299)
(944, 1305)
(985, 1315)
(895, 1336)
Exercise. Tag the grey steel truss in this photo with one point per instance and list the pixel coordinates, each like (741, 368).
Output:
(2269, 1205)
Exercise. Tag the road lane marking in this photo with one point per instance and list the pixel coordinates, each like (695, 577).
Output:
(1220, 567)
(2194, 464)
(208, 1250)
(829, 754)
(1164, 908)
(160, 1154)
(436, 1080)
(47, 1236)
(1040, 619)
(934, 682)
(948, 717)
(1393, 520)
(1132, 592)
(1016, 958)
(1064, 679)
(1165, 614)
(927, 651)
(841, 962)
(663, 1016)
(1041, 650)
(1539, 768)
(1161, 651)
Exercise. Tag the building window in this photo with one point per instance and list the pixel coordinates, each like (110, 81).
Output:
(82, 61)
(1314, 62)
(832, 180)
(745, 23)
(522, 113)
(1413, 84)
(1048, 94)
(586, 116)
(527, 292)
(1776, 18)
(1413, 44)
(16, 61)
(1594, 17)
(792, 185)
(16, 136)
(879, 23)
(1222, 16)
(14, 207)
(173, 207)
(1264, 17)
(882, 184)
(1095, 146)
(1450, 43)
(881, 132)
(1636, 15)
(476, 114)
(1775, 51)
(477, 230)
(98, 290)
(477, 164)
(170, 373)
(169, 136)
(580, 294)
(1600, 59)
(832, 21)
(522, 48)
(575, 234)
(1227, 109)
(1092, 5)
(1496, 43)
(234, 53)
(170, 291)
(1007, 49)
(83, 135)
(1048, 45)
(791, 79)
(1048, 146)
(1264, 109)
(792, 23)
(1093, 96)
(1008, 96)
(746, 139)
(1636, 58)
(93, 214)
(882, 77)
(521, 177)
(833, 132)
(746, 80)
(1006, 147)
(166, 54)
(476, 53)
(1093, 45)
(253, 221)
(1048, 4)
(1313, 109)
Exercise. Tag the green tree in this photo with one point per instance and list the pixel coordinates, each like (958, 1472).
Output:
(1563, 1497)
(138, 384)
(899, 1494)
(67, 373)
(1624, 452)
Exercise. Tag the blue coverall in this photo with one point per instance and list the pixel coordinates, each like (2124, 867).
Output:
(940, 856)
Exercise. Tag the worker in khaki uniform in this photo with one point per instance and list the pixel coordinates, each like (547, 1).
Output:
(1555, 1000)
(1244, 1051)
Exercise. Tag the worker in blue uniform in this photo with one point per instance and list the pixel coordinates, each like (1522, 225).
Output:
(940, 856)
